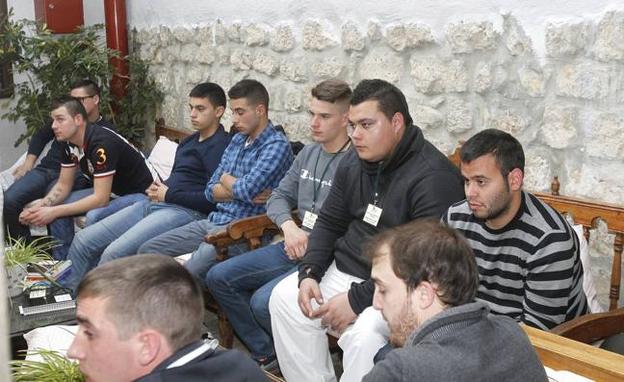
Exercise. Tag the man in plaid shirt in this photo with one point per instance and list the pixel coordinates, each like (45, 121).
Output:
(254, 162)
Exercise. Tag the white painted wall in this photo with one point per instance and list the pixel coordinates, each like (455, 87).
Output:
(532, 14)
(9, 132)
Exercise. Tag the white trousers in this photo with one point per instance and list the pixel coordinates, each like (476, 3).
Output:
(301, 343)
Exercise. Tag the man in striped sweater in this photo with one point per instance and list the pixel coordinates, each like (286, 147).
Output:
(527, 254)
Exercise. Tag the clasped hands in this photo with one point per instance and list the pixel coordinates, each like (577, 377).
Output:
(37, 213)
(335, 314)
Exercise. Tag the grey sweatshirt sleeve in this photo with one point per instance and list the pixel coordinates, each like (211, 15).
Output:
(284, 198)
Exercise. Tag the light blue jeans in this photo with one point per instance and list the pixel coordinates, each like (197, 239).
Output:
(62, 229)
(122, 233)
(190, 238)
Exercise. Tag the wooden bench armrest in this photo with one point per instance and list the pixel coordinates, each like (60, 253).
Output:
(592, 327)
(561, 353)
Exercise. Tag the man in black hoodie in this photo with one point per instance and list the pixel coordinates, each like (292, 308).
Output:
(393, 176)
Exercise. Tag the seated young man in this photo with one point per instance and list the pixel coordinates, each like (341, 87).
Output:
(393, 176)
(425, 285)
(32, 182)
(103, 155)
(126, 335)
(254, 162)
(242, 285)
(171, 204)
(528, 255)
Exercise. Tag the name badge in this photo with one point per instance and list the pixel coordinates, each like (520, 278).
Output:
(309, 219)
(373, 213)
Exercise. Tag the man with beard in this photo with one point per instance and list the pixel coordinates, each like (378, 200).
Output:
(425, 284)
(527, 254)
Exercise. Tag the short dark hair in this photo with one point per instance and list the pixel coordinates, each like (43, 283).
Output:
(332, 90)
(213, 92)
(252, 90)
(427, 250)
(506, 149)
(90, 86)
(148, 291)
(73, 106)
(390, 99)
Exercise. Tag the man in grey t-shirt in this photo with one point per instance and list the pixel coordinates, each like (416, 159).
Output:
(305, 187)
(426, 281)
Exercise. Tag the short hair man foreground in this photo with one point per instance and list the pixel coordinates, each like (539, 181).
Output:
(528, 255)
(141, 320)
(425, 284)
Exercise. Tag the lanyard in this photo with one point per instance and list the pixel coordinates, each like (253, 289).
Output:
(318, 188)
(376, 186)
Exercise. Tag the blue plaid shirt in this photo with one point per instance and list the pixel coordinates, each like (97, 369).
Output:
(259, 166)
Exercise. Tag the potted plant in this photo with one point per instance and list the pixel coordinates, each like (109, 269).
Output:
(19, 254)
(52, 367)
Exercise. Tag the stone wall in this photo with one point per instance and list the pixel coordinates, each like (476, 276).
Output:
(565, 105)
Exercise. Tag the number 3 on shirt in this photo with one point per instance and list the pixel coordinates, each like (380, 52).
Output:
(101, 156)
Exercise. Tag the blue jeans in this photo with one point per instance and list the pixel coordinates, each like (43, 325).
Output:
(33, 185)
(62, 229)
(121, 234)
(242, 286)
(186, 239)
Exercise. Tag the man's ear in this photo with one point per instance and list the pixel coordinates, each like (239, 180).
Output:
(424, 295)
(398, 122)
(515, 179)
(96, 99)
(219, 111)
(261, 109)
(151, 345)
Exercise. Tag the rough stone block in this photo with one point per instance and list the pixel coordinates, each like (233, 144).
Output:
(293, 101)
(482, 77)
(606, 136)
(282, 39)
(459, 115)
(255, 35)
(516, 40)
(327, 68)
(609, 43)
(352, 38)
(537, 170)
(509, 121)
(586, 81)
(401, 36)
(467, 37)
(203, 35)
(265, 63)
(560, 125)
(241, 59)
(373, 31)
(315, 38)
(165, 35)
(426, 117)
(433, 76)
(295, 71)
(182, 34)
(532, 82)
(188, 52)
(566, 39)
(234, 32)
(382, 63)
(600, 181)
(205, 53)
(220, 32)
(223, 54)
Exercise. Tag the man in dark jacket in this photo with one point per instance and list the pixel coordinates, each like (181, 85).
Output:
(141, 319)
(426, 281)
(393, 176)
